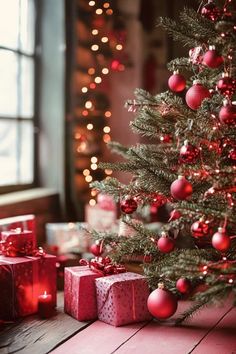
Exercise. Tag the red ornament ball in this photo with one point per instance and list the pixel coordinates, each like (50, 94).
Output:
(165, 244)
(165, 138)
(200, 229)
(210, 11)
(226, 85)
(177, 82)
(196, 94)
(96, 249)
(128, 205)
(183, 285)
(232, 154)
(212, 59)
(162, 303)
(220, 240)
(181, 189)
(227, 114)
(175, 215)
(188, 152)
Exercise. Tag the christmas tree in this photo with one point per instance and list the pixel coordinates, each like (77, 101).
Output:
(189, 167)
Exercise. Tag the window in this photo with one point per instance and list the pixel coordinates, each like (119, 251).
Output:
(17, 88)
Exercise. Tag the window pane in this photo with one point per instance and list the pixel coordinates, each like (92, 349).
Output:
(8, 152)
(9, 23)
(26, 153)
(8, 83)
(27, 87)
(27, 20)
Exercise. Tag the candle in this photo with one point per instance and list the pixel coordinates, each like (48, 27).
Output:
(45, 305)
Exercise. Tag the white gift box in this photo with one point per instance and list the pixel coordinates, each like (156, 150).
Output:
(100, 219)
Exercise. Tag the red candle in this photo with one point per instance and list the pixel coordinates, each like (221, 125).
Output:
(45, 305)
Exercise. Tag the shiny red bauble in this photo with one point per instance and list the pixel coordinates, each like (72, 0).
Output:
(128, 205)
(166, 138)
(175, 215)
(188, 152)
(165, 244)
(232, 154)
(177, 82)
(181, 189)
(96, 249)
(183, 285)
(210, 11)
(162, 303)
(196, 94)
(212, 59)
(200, 229)
(227, 114)
(226, 85)
(220, 240)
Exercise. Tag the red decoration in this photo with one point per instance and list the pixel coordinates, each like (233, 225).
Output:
(210, 11)
(165, 244)
(220, 240)
(158, 200)
(128, 205)
(226, 85)
(165, 138)
(196, 94)
(201, 228)
(103, 266)
(181, 189)
(147, 258)
(232, 154)
(174, 215)
(45, 305)
(177, 82)
(17, 243)
(183, 285)
(162, 303)
(212, 59)
(188, 152)
(195, 55)
(227, 114)
(96, 249)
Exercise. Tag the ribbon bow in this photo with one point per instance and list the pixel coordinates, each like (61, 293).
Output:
(103, 266)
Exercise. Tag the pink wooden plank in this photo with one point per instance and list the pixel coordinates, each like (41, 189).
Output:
(166, 339)
(99, 338)
(222, 339)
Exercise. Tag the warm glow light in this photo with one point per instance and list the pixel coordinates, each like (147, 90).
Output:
(108, 177)
(86, 172)
(90, 126)
(85, 113)
(107, 114)
(91, 71)
(99, 11)
(108, 172)
(106, 138)
(88, 104)
(94, 32)
(109, 12)
(106, 5)
(231, 281)
(77, 136)
(91, 3)
(94, 159)
(94, 166)
(94, 192)
(106, 129)
(92, 202)
(88, 178)
(95, 47)
(119, 47)
(121, 67)
(84, 89)
(98, 79)
(92, 85)
(105, 71)
(104, 39)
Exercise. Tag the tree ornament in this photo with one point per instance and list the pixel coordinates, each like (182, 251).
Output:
(147, 258)
(188, 152)
(195, 55)
(212, 59)
(232, 154)
(226, 85)
(96, 249)
(158, 200)
(165, 244)
(220, 240)
(166, 138)
(227, 114)
(128, 205)
(175, 215)
(201, 228)
(181, 189)
(196, 94)
(177, 82)
(210, 11)
(162, 303)
(183, 285)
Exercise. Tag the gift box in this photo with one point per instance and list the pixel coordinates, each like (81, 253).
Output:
(22, 281)
(68, 237)
(99, 218)
(122, 299)
(17, 242)
(80, 293)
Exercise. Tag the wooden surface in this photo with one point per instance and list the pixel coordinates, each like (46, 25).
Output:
(211, 331)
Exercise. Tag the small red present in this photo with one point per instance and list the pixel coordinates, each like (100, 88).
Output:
(122, 299)
(22, 280)
(17, 242)
(80, 293)
(24, 222)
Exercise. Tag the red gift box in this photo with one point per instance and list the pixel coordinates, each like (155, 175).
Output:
(122, 299)
(22, 280)
(80, 293)
(17, 242)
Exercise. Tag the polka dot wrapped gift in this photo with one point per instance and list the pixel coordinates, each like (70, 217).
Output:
(122, 299)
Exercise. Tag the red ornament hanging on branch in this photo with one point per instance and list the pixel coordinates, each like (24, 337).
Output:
(165, 244)
(196, 94)
(174, 215)
(188, 153)
(183, 285)
(227, 113)
(177, 82)
(201, 228)
(181, 189)
(162, 303)
(220, 240)
(210, 11)
(128, 205)
(96, 249)
(232, 154)
(226, 85)
(212, 59)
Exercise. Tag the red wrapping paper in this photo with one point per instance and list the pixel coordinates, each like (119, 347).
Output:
(22, 280)
(17, 242)
(80, 293)
(122, 299)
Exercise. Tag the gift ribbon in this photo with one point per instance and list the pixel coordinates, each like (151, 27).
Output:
(103, 266)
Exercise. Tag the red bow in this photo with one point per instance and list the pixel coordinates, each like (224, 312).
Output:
(103, 266)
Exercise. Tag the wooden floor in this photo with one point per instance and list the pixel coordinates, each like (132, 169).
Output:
(212, 331)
